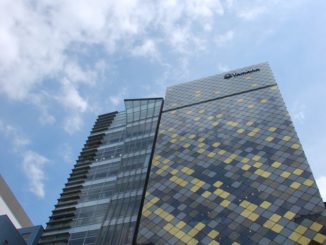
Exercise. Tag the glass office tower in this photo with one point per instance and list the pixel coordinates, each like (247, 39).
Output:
(229, 168)
(101, 201)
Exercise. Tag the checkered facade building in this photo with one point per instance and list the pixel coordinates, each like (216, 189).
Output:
(228, 168)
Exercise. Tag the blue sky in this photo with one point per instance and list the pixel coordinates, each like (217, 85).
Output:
(64, 62)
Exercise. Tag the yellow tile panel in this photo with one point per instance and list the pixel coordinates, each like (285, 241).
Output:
(194, 188)
(289, 215)
(211, 154)
(320, 238)
(295, 146)
(269, 138)
(295, 185)
(265, 204)
(187, 170)
(221, 152)
(263, 101)
(201, 139)
(253, 217)
(298, 171)
(245, 160)
(286, 138)
(201, 145)
(301, 229)
(285, 174)
(213, 234)
(277, 228)
(180, 224)
(258, 164)
(252, 134)
(215, 124)
(244, 204)
(266, 174)
(168, 227)
(225, 203)
(214, 243)
(316, 227)
(174, 171)
(218, 184)
(308, 182)
(200, 226)
(240, 130)
(166, 161)
(304, 240)
(275, 217)
(186, 145)
(233, 156)
(246, 167)
(146, 213)
(256, 158)
(245, 213)
(201, 150)
(252, 207)
(206, 194)
(276, 164)
(272, 129)
(232, 123)
(295, 236)
(228, 160)
(224, 194)
(269, 224)
(173, 140)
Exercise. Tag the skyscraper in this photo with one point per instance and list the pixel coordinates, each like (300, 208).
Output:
(101, 201)
(228, 168)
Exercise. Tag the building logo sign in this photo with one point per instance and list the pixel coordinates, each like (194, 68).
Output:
(235, 74)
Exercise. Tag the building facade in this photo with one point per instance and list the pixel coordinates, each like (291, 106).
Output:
(228, 168)
(11, 207)
(15, 226)
(101, 202)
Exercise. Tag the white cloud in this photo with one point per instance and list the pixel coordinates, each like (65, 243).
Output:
(33, 164)
(73, 123)
(147, 49)
(230, 3)
(321, 182)
(44, 40)
(252, 12)
(222, 68)
(119, 97)
(71, 98)
(36, 35)
(66, 153)
(17, 140)
(40, 100)
(115, 100)
(46, 118)
(298, 112)
(225, 37)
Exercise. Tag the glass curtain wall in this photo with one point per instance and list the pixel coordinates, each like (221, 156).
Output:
(111, 196)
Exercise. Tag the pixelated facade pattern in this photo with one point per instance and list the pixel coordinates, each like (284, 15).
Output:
(101, 204)
(230, 169)
(216, 86)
